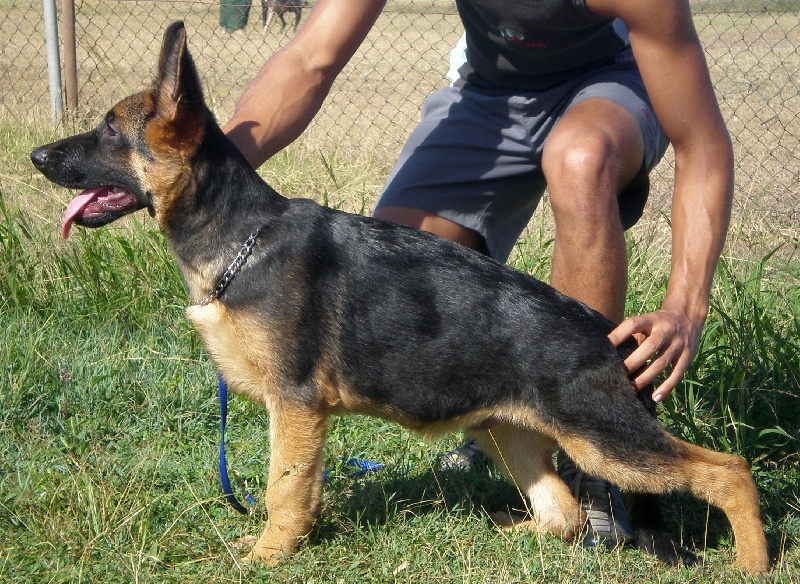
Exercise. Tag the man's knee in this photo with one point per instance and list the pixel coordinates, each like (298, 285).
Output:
(591, 155)
(584, 177)
(573, 157)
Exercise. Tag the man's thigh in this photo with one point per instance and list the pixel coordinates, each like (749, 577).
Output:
(471, 160)
(475, 157)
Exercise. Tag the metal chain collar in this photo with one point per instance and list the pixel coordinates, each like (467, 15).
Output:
(233, 268)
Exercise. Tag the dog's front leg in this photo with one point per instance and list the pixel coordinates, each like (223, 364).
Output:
(268, 19)
(294, 487)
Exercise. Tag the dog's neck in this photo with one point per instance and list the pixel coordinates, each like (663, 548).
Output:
(227, 203)
(233, 268)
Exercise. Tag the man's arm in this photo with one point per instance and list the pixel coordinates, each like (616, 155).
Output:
(674, 70)
(289, 89)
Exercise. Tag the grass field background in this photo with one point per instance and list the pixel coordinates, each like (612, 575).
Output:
(108, 410)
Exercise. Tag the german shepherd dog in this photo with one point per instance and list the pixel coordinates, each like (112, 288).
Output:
(336, 313)
(269, 8)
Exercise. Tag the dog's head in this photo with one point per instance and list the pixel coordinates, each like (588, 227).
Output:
(138, 157)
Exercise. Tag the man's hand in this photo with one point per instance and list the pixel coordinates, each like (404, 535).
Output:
(666, 338)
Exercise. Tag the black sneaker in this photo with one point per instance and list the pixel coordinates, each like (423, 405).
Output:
(466, 457)
(608, 523)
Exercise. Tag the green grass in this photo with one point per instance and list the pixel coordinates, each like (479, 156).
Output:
(109, 425)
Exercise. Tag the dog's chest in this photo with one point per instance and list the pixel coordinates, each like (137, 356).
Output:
(240, 350)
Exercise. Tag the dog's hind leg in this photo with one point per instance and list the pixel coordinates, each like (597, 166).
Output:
(525, 458)
(298, 14)
(644, 509)
(724, 480)
(294, 486)
(650, 530)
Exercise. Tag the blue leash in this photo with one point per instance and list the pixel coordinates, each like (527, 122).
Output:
(223, 466)
(358, 467)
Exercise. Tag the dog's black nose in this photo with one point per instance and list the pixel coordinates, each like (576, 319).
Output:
(39, 157)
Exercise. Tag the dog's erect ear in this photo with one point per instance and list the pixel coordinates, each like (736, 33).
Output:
(177, 88)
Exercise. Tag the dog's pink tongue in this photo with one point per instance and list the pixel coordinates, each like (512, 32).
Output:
(76, 207)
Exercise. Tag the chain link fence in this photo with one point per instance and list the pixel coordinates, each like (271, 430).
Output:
(752, 52)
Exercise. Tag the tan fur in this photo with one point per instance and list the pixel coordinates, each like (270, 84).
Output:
(171, 175)
(660, 474)
(725, 480)
(240, 351)
(294, 487)
(297, 434)
(525, 458)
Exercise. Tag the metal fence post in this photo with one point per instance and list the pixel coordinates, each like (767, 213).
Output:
(53, 60)
(70, 56)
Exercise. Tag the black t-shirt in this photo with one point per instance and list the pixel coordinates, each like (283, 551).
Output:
(535, 44)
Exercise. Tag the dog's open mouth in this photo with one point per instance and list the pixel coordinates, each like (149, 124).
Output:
(98, 206)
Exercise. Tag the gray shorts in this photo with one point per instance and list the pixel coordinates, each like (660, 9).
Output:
(475, 157)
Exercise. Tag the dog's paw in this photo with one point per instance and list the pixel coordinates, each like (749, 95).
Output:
(505, 520)
(252, 559)
(245, 544)
(661, 545)
(255, 553)
(263, 557)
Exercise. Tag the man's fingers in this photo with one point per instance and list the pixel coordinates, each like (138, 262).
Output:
(625, 330)
(672, 380)
(644, 376)
(673, 356)
(636, 361)
(667, 343)
(641, 357)
(647, 372)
